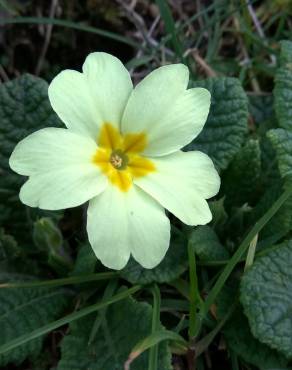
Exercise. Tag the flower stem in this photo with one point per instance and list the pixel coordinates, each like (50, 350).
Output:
(194, 324)
(153, 352)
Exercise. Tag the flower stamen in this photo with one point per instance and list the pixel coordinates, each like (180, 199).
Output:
(118, 159)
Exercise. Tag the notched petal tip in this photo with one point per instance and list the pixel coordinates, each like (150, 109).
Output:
(26, 199)
(203, 94)
(61, 77)
(217, 181)
(116, 264)
(12, 161)
(15, 160)
(152, 264)
(178, 70)
(97, 56)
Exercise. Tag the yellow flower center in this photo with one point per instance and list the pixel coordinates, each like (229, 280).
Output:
(119, 157)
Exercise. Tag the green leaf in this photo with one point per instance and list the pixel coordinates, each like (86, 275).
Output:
(152, 340)
(126, 323)
(265, 295)
(172, 266)
(226, 125)
(281, 223)
(240, 181)
(283, 87)
(244, 245)
(219, 216)
(24, 108)
(85, 261)
(37, 333)
(9, 248)
(269, 171)
(206, 244)
(22, 311)
(281, 140)
(239, 337)
(169, 24)
(261, 108)
(49, 240)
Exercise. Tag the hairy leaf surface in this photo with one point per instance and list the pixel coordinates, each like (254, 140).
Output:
(226, 126)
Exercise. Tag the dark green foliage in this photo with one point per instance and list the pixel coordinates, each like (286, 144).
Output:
(249, 140)
(281, 224)
(265, 295)
(261, 108)
(8, 247)
(22, 311)
(172, 266)
(24, 108)
(226, 126)
(49, 240)
(85, 261)
(283, 87)
(281, 140)
(239, 337)
(126, 323)
(241, 180)
(207, 245)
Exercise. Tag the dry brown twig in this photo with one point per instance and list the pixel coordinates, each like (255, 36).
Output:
(253, 80)
(209, 71)
(48, 34)
(139, 23)
(259, 29)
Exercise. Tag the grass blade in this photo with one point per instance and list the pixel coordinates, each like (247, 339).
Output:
(60, 282)
(69, 24)
(152, 340)
(170, 27)
(242, 249)
(108, 293)
(66, 320)
(153, 353)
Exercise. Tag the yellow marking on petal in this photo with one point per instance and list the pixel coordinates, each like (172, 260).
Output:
(135, 143)
(118, 158)
(140, 166)
(122, 179)
(109, 137)
(102, 156)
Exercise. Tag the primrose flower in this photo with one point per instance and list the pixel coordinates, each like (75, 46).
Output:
(120, 151)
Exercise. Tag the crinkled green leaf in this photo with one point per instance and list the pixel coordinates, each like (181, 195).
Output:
(239, 337)
(281, 223)
(281, 140)
(283, 87)
(207, 245)
(85, 261)
(172, 266)
(127, 322)
(265, 293)
(226, 126)
(261, 108)
(241, 179)
(269, 171)
(219, 215)
(22, 311)
(24, 108)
